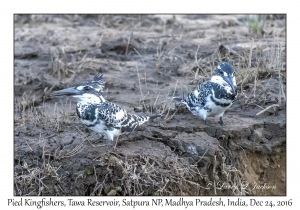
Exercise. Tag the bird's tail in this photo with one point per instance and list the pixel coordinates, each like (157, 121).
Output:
(142, 119)
(154, 116)
(181, 100)
(135, 120)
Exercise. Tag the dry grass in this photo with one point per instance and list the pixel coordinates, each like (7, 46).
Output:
(34, 179)
(141, 175)
(66, 71)
(264, 84)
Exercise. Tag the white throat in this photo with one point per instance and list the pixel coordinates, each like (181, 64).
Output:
(233, 80)
(91, 98)
(219, 80)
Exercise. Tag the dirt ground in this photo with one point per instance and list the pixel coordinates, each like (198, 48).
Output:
(146, 60)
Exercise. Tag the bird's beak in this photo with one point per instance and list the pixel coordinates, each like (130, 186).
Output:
(230, 82)
(66, 92)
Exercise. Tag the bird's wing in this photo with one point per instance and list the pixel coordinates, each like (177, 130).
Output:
(199, 95)
(111, 114)
(133, 121)
(117, 117)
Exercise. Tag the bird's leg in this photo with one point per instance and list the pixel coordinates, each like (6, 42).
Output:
(207, 123)
(109, 142)
(98, 140)
(193, 130)
(116, 141)
(221, 121)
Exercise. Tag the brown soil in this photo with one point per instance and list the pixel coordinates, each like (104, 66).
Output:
(147, 59)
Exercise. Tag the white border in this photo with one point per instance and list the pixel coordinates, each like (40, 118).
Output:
(153, 6)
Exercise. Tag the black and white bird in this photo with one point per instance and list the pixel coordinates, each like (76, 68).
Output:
(215, 96)
(101, 116)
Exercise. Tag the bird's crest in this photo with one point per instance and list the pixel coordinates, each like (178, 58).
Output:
(97, 84)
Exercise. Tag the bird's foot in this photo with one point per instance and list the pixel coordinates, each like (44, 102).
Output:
(207, 123)
(98, 141)
(221, 121)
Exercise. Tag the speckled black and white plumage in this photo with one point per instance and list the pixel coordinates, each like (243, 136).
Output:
(215, 96)
(109, 119)
(103, 117)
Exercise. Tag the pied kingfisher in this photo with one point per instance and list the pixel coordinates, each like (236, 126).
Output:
(215, 96)
(101, 116)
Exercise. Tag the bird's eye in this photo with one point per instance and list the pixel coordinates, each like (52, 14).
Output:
(221, 72)
(86, 88)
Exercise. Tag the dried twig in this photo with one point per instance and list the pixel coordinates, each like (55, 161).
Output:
(262, 111)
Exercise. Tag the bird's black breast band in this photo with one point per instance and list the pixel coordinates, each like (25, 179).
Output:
(218, 103)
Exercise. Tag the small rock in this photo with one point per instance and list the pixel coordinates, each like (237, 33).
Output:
(138, 109)
(112, 193)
